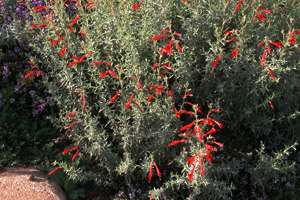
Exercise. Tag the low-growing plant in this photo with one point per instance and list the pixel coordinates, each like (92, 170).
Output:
(24, 129)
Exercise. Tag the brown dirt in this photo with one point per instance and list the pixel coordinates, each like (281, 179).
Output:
(19, 183)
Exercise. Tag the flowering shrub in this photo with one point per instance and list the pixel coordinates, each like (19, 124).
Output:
(128, 77)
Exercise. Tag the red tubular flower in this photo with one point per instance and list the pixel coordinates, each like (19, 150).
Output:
(41, 105)
(164, 31)
(99, 63)
(70, 29)
(263, 59)
(177, 34)
(218, 123)
(82, 33)
(72, 63)
(168, 48)
(150, 173)
(135, 6)
(266, 11)
(191, 174)
(231, 39)
(29, 74)
(84, 103)
(261, 43)
(207, 121)
(200, 136)
(228, 32)
(112, 73)
(238, 6)
(51, 16)
(68, 150)
(277, 44)
(171, 94)
(139, 85)
(57, 168)
(41, 25)
(157, 171)
(154, 66)
(296, 32)
(75, 155)
(269, 49)
(167, 66)
(114, 97)
(56, 41)
(150, 97)
(78, 5)
(212, 111)
(201, 163)
(209, 147)
(72, 124)
(102, 75)
(177, 113)
(217, 143)
(212, 130)
(39, 73)
(176, 142)
(234, 52)
(186, 135)
(292, 39)
(62, 52)
(129, 102)
(162, 74)
(179, 48)
(192, 159)
(73, 21)
(88, 4)
(81, 59)
(158, 37)
(187, 127)
(187, 112)
(271, 72)
(260, 16)
(271, 104)
(208, 156)
(91, 6)
(71, 114)
(214, 63)
(187, 95)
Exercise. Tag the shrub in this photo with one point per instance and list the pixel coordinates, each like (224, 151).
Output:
(217, 63)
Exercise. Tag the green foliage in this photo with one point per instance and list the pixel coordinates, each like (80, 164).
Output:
(123, 139)
(24, 131)
(69, 186)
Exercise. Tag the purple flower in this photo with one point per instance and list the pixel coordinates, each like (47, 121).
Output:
(288, 184)
(12, 100)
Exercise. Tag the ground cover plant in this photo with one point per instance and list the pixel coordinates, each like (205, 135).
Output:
(198, 99)
(23, 124)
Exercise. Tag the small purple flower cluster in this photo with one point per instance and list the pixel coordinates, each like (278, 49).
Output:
(129, 192)
(12, 10)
